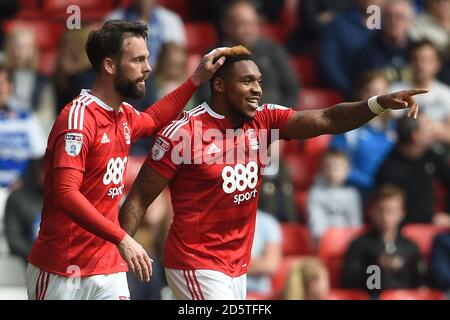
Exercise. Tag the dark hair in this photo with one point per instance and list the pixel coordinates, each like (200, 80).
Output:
(107, 42)
(415, 46)
(405, 128)
(386, 191)
(233, 55)
(6, 70)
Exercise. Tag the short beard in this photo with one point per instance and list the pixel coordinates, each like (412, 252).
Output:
(127, 88)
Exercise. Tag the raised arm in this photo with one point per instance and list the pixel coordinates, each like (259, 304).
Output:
(169, 107)
(147, 186)
(348, 115)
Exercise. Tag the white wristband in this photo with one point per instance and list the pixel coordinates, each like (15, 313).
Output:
(374, 106)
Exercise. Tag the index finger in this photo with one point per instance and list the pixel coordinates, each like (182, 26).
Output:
(413, 92)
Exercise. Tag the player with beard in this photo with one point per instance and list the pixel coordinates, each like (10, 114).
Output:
(81, 251)
(214, 195)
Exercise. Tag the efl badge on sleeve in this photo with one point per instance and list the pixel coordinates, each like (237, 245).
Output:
(160, 147)
(74, 141)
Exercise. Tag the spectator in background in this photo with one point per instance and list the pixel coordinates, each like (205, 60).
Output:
(314, 16)
(73, 69)
(21, 135)
(341, 38)
(367, 146)
(439, 266)
(8, 9)
(266, 254)
(240, 25)
(413, 167)
(21, 57)
(425, 64)
(307, 280)
(388, 50)
(170, 72)
(399, 258)
(433, 24)
(23, 211)
(163, 25)
(330, 202)
(211, 10)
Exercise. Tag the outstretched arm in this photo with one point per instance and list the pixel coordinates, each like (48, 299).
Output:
(147, 186)
(346, 116)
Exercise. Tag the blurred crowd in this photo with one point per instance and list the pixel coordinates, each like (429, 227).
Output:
(339, 206)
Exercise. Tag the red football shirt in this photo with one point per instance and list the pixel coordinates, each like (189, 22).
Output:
(88, 136)
(215, 176)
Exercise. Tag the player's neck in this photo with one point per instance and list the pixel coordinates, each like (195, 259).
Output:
(221, 107)
(107, 95)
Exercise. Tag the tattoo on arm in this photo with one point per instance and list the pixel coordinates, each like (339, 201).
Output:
(146, 188)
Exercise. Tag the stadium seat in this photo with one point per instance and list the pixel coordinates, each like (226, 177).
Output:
(90, 9)
(306, 69)
(317, 98)
(280, 277)
(422, 235)
(298, 169)
(201, 37)
(288, 18)
(332, 248)
(412, 294)
(274, 32)
(314, 149)
(348, 294)
(296, 240)
(258, 296)
(28, 9)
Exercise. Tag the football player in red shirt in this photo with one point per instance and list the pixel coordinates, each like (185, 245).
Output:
(210, 158)
(81, 251)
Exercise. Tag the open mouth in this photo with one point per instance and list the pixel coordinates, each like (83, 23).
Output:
(253, 101)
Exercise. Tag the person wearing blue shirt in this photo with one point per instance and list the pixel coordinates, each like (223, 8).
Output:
(21, 135)
(368, 145)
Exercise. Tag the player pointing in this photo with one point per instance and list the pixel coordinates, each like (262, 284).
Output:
(207, 252)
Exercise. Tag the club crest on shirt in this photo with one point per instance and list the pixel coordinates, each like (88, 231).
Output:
(160, 147)
(74, 142)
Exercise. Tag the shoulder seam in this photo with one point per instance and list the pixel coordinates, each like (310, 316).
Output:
(175, 125)
(76, 114)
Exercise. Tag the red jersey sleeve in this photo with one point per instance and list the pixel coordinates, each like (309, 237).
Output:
(161, 157)
(76, 131)
(277, 116)
(161, 112)
(170, 147)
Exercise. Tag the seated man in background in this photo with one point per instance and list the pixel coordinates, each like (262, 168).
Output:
(413, 167)
(266, 254)
(399, 259)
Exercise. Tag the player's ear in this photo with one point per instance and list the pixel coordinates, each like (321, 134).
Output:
(218, 85)
(110, 66)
